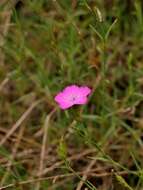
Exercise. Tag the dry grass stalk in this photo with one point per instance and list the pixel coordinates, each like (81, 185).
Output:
(44, 144)
(20, 121)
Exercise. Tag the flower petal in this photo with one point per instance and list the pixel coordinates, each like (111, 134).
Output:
(84, 90)
(72, 89)
(59, 97)
(81, 100)
(65, 105)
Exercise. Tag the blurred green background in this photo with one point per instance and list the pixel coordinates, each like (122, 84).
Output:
(46, 45)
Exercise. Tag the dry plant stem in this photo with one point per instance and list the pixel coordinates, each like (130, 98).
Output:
(26, 140)
(44, 143)
(29, 152)
(3, 83)
(19, 122)
(74, 4)
(24, 161)
(16, 146)
(20, 156)
(4, 26)
(89, 167)
(60, 177)
(59, 183)
(43, 149)
(97, 81)
(74, 157)
(85, 175)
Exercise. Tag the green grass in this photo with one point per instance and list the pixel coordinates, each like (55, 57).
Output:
(52, 44)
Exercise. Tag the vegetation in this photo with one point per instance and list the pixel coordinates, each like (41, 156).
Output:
(47, 45)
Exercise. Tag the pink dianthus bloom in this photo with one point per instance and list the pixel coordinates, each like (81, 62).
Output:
(72, 95)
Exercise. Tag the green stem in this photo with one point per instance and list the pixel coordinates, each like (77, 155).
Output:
(104, 59)
(103, 72)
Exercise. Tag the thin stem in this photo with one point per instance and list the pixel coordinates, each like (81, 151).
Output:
(103, 73)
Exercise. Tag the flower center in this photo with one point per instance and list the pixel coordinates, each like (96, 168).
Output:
(73, 98)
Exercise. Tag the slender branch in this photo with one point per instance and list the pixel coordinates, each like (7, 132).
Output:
(20, 121)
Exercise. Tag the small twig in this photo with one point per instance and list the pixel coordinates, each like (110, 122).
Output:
(73, 157)
(59, 183)
(59, 177)
(43, 150)
(16, 146)
(3, 83)
(84, 177)
(19, 122)
(46, 127)
(24, 139)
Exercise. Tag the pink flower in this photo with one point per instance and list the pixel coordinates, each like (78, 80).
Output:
(72, 95)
